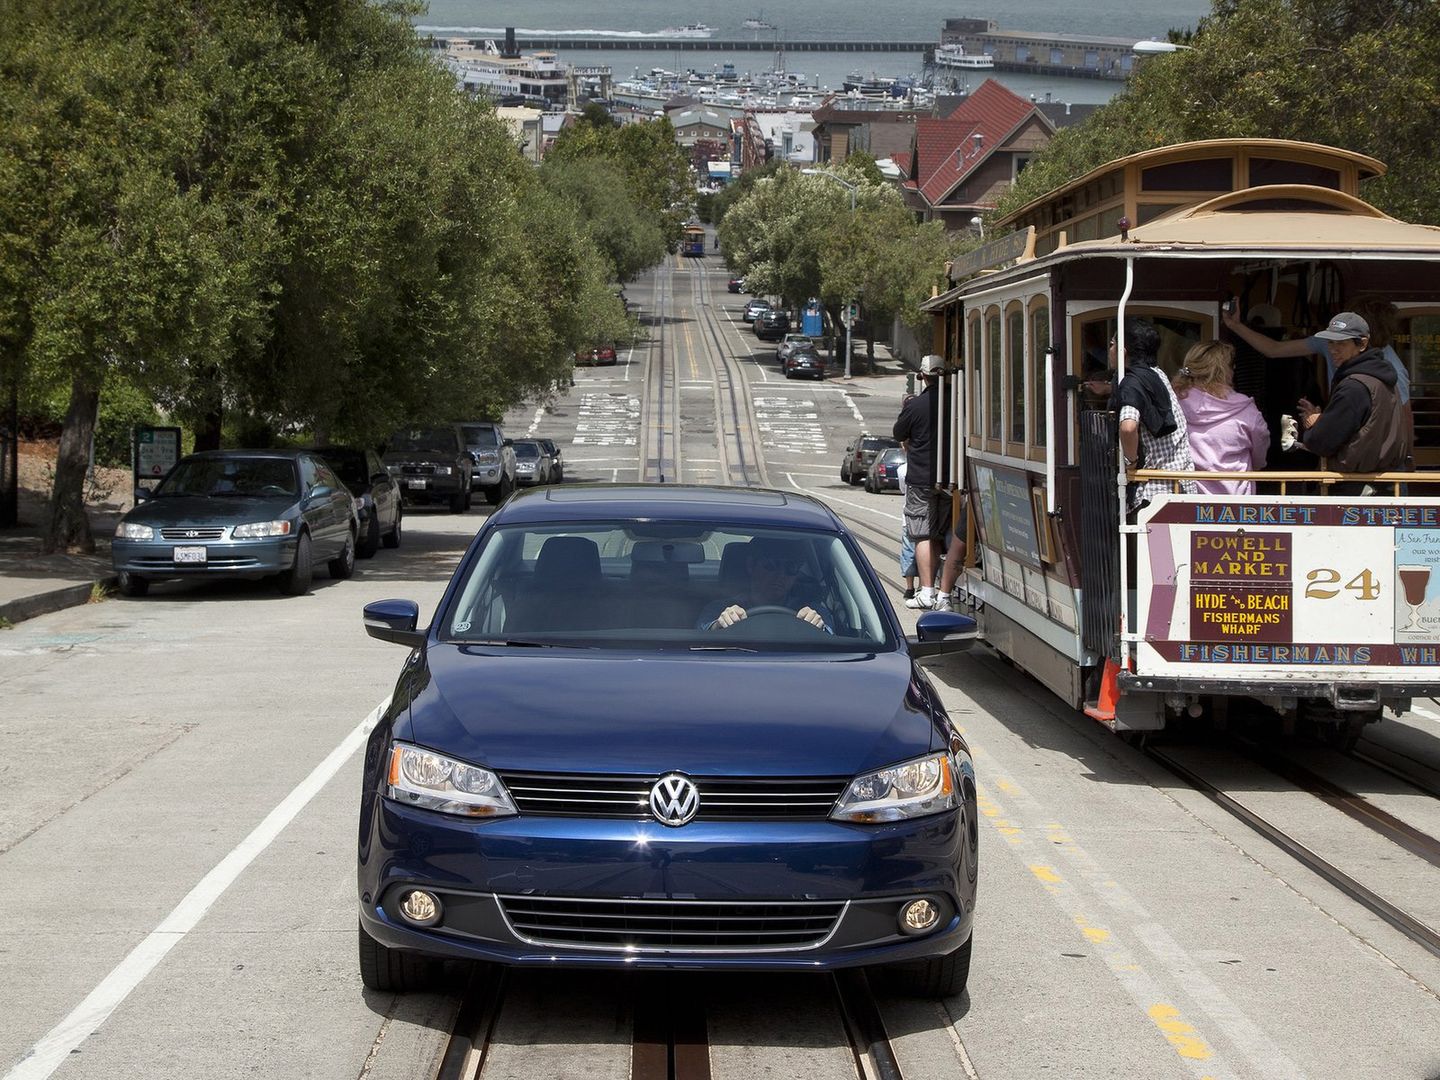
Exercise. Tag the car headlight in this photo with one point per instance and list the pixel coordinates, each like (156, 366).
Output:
(444, 470)
(487, 457)
(393, 470)
(909, 790)
(133, 530)
(419, 777)
(254, 529)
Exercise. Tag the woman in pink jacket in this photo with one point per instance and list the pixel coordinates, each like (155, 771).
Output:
(1227, 432)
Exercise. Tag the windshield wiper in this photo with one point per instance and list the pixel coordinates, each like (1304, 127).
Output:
(721, 648)
(524, 643)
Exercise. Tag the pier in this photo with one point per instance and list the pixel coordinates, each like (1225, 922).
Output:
(655, 44)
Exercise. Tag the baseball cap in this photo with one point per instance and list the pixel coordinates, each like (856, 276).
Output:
(933, 364)
(1347, 326)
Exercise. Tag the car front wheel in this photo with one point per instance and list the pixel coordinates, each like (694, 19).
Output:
(395, 970)
(296, 580)
(371, 543)
(934, 977)
(392, 538)
(130, 585)
(343, 565)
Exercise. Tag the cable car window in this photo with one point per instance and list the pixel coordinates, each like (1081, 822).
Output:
(1039, 343)
(975, 366)
(1265, 171)
(1204, 174)
(994, 393)
(1015, 352)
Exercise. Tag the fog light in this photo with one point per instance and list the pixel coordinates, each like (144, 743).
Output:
(918, 916)
(420, 908)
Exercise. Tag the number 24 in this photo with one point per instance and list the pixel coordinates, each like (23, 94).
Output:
(1363, 585)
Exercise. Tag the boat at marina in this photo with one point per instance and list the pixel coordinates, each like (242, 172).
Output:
(757, 22)
(955, 56)
(689, 30)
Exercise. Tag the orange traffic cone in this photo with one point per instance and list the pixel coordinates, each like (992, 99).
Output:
(1104, 708)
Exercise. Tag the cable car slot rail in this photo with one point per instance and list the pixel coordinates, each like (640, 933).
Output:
(1425, 936)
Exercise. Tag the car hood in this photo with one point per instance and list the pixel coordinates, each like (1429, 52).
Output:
(210, 510)
(719, 715)
(411, 457)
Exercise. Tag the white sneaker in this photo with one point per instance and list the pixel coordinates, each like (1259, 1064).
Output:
(943, 603)
(923, 600)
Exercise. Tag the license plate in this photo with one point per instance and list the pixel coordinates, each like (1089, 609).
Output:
(190, 554)
(415, 483)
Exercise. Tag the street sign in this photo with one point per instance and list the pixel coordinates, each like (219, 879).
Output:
(157, 449)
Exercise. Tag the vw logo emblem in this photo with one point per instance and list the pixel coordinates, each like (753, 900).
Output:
(674, 799)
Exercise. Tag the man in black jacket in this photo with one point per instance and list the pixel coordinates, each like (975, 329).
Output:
(923, 511)
(1361, 430)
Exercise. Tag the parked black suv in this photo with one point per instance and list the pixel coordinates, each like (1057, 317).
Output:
(431, 464)
(772, 326)
(494, 459)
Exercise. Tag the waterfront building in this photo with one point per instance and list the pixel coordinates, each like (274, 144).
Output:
(1070, 55)
(960, 164)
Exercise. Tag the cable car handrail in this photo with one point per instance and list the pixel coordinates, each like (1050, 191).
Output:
(1323, 477)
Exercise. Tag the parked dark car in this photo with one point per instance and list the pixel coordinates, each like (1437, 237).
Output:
(754, 309)
(431, 464)
(884, 471)
(804, 361)
(603, 355)
(859, 453)
(533, 463)
(377, 496)
(238, 514)
(493, 457)
(557, 461)
(772, 325)
(736, 284)
(579, 767)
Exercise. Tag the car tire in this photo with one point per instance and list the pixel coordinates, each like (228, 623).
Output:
(845, 473)
(371, 543)
(395, 970)
(296, 580)
(131, 585)
(935, 977)
(343, 565)
(392, 538)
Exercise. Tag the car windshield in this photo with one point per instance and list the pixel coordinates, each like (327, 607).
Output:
(628, 584)
(893, 456)
(436, 439)
(873, 443)
(231, 476)
(528, 450)
(481, 435)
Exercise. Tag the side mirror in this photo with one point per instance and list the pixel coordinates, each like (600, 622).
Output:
(940, 632)
(379, 477)
(320, 491)
(143, 494)
(394, 620)
(508, 442)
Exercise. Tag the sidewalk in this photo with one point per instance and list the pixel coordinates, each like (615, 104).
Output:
(34, 584)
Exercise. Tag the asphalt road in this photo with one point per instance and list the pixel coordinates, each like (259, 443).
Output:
(179, 790)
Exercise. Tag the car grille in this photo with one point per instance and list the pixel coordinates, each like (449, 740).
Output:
(690, 925)
(417, 470)
(722, 798)
(182, 535)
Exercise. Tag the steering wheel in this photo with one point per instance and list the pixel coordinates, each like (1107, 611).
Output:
(769, 609)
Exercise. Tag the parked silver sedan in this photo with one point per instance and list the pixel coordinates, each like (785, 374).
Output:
(533, 463)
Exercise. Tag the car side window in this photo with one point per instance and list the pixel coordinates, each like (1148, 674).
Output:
(309, 473)
(327, 477)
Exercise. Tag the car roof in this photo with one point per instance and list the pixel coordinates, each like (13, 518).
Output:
(289, 455)
(668, 502)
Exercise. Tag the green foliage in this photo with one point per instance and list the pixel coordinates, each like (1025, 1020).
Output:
(618, 225)
(123, 407)
(1360, 75)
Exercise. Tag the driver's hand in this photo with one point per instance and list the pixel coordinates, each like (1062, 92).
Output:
(729, 617)
(811, 616)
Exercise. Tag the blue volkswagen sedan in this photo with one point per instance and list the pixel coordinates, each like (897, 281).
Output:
(666, 727)
(238, 514)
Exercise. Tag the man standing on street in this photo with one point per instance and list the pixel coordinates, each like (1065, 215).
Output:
(924, 506)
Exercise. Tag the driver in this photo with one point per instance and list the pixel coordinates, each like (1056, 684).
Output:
(774, 568)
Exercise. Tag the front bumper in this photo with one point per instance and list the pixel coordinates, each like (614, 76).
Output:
(223, 558)
(424, 488)
(483, 871)
(486, 476)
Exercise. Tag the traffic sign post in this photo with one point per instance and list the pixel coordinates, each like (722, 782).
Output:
(157, 449)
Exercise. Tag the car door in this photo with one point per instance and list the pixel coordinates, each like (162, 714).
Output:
(322, 512)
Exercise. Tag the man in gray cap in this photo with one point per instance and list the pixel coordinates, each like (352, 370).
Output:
(1362, 429)
(924, 506)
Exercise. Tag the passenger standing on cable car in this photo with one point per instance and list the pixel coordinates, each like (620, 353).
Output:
(1226, 431)
(1363, 427)
(1153, 433)
(923, 510)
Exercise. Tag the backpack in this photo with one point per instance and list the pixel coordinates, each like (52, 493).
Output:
(1383, 443)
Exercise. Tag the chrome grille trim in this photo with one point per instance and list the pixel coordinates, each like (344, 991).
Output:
(672, 926)
(193, 534)
(722, 798)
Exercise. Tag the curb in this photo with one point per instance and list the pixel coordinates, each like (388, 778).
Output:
(53, 600)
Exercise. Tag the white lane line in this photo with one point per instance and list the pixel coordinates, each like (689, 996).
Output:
(90, 1015)
(825, 496)
(1426, 713)
(535, 422)
(854, 409)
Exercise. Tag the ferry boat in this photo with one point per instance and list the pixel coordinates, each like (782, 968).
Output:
(757, 22)
(955, 56)
(689, 30)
